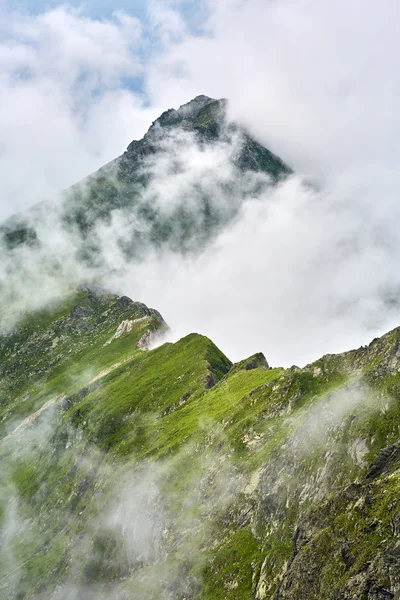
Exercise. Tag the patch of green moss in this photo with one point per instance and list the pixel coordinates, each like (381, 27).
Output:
(229, 571)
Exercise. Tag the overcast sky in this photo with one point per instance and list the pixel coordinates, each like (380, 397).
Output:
(317, 82)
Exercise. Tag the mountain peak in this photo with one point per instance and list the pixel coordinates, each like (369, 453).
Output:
(194, 106)
(187, 113)
(121, 184)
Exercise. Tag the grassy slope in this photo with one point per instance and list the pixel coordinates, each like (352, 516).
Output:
(241, 444)
(60, 350)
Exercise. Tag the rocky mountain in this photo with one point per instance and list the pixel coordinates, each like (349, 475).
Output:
(133, 468)
(176, 188)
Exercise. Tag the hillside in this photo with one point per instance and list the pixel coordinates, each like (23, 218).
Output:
(131, 471)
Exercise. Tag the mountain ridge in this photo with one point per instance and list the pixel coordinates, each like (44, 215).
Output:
(258, 482)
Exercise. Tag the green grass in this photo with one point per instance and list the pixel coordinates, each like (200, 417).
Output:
(228, 573)
(200, 429)
(60, 350)
(137, 402)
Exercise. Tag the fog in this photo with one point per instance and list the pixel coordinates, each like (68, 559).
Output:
(305, 270)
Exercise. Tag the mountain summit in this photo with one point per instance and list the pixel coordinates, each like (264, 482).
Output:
(177, 187)
(189, 112)
(207, 118)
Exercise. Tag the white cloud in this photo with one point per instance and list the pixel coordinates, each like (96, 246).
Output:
(307, 271)
(318, 84)
(295, 277)
(316, 80)
(64, 107)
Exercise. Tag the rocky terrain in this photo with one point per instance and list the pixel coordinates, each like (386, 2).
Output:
(172, 473)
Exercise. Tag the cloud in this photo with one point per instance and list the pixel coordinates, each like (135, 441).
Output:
(295, 276)
(307, 269)
(316, 81)
(65, 108)
(290, 275)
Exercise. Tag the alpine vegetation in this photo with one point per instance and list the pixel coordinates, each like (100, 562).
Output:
(173, 473)
(139, 462)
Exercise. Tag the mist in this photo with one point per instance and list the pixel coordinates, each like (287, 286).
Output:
(295, 268)
(121, 519)
(299, 271)
(308, 267)
(298, 275)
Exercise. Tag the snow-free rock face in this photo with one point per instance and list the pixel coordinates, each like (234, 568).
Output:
(172, 473)
(188, 115)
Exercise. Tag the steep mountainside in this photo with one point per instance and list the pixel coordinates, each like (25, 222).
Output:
(131, 473)
(176, 188)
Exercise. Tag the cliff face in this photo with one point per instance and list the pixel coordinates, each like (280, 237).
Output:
(130, 472)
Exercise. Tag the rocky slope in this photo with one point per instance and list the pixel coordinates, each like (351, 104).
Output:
(231, 168)
(170, 473)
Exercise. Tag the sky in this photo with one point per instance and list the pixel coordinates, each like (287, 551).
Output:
(316, 82)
